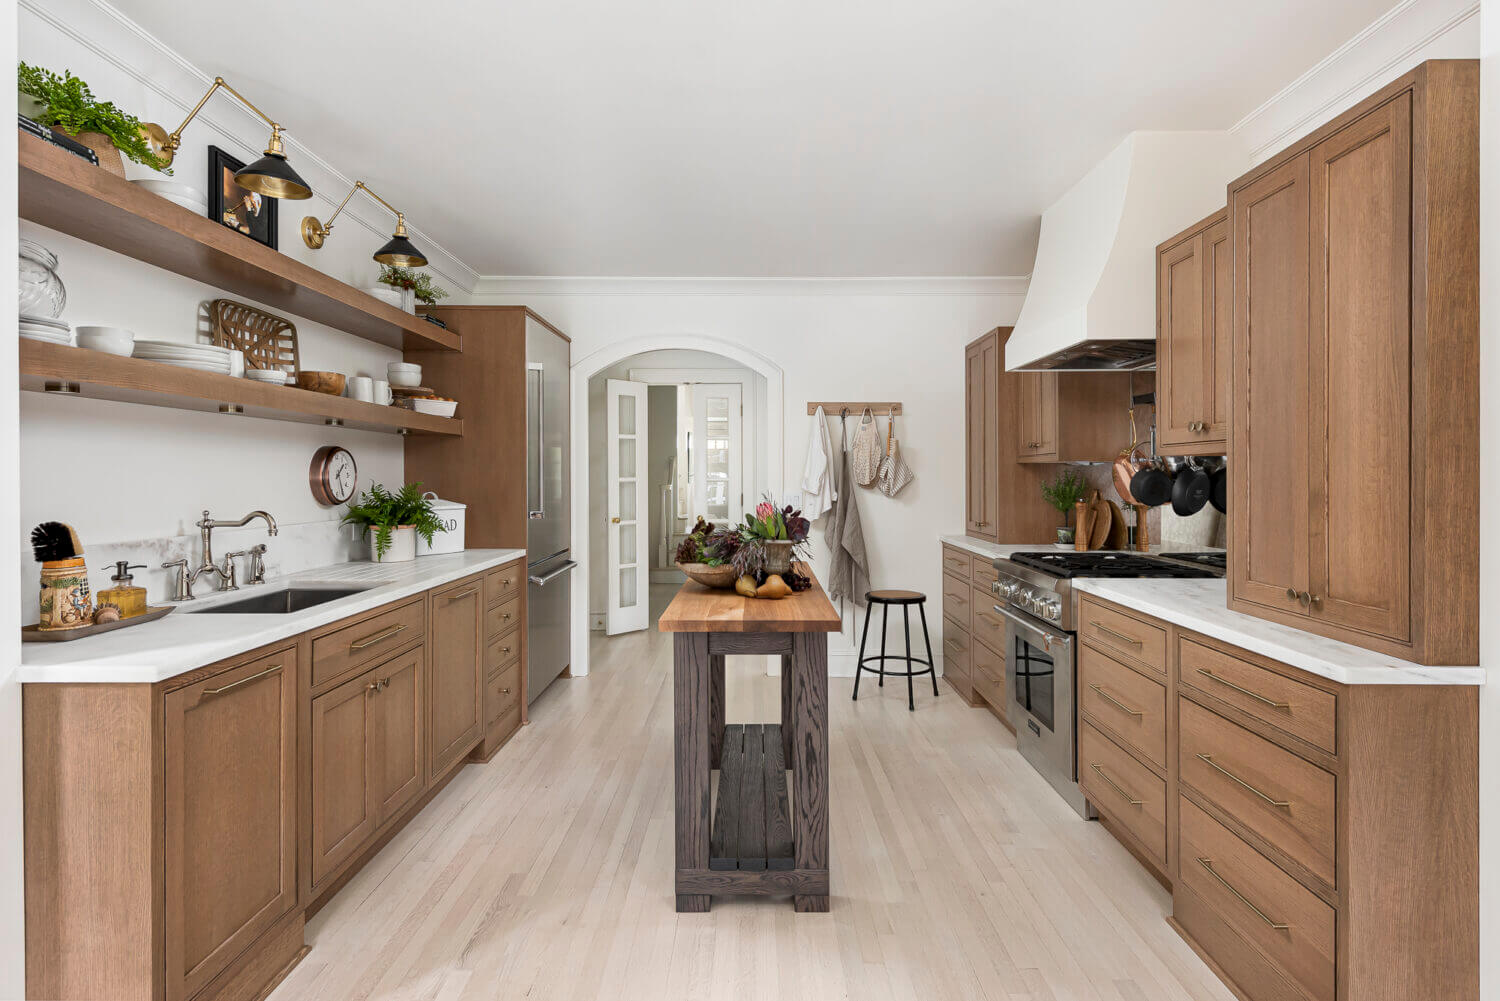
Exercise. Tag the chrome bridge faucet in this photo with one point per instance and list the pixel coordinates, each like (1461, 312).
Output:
(185, 579)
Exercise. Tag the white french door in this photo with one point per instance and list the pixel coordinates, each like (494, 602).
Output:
(629, 567)
(718, 452)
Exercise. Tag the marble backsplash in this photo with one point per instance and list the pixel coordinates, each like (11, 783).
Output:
(294, 548)
(1206, 528)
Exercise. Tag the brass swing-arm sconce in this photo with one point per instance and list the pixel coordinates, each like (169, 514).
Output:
(271, 175)
(399, 252)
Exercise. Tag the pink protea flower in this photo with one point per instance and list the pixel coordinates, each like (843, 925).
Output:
(764, 510)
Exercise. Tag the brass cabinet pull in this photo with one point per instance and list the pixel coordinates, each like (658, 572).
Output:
(379, 637)
(1116, 787)
(378, 685)
(1304, 597)
(1116, 702)
(463, 594)
(955, 644)
(505, 649)
(1208, 760)
(1208, 865)
(1119, 636)
(1211, 676)
(243, 681)
(505, 691)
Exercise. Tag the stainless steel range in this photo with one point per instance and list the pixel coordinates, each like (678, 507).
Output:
(1035, 595)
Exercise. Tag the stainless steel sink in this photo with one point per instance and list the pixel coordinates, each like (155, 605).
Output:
(283, 602)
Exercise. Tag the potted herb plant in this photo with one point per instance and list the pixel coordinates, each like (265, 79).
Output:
(1063, 493)
(393, 521)
(778, 531)
(67, 104)
(414, 286)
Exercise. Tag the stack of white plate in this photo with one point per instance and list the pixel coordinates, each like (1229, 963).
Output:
(202, 357)
(185, 195)
(40, 328)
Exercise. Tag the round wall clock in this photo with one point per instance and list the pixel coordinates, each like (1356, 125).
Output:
(333, 475)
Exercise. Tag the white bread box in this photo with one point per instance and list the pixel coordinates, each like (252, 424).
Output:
(452, 515)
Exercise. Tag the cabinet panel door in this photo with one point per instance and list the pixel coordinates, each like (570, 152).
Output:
(1360, 364)
(1218, 323)
(1046, 414)
(1181, 347)
(982, 381)
(455, 679)
(1269, 435)
(397, 733)
(343, 801)
(230, 846)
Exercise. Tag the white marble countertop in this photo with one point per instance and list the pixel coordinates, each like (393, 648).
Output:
(187, 639)
(1200, 605)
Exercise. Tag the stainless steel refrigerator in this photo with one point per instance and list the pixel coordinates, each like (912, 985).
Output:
(549, 563)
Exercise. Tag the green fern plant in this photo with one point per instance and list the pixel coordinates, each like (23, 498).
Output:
(383, 511)
(72, 107)
(1065, 491)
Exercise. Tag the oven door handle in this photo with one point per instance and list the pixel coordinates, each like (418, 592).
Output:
(1061, 638)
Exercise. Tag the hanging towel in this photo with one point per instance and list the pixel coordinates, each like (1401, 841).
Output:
(866, 451)
(894, 473)
(849, 576)
(817, 472)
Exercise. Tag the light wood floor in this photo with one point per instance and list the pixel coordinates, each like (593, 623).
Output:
(547, 873)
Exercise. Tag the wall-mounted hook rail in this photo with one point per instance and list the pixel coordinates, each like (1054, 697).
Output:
(835, 407)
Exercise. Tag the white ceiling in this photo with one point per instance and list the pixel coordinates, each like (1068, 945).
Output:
(770, 138)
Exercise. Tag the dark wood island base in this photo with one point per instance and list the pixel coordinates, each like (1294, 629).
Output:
(753, 842)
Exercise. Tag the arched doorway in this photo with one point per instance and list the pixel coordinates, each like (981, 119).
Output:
(582, 370)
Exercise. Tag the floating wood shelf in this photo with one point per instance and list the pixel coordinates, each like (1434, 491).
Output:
(63, 192)
(101, 376)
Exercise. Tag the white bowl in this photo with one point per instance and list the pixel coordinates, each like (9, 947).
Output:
(110, 340)
(92, 330)
(170, 189)
(437, 408)
(274, 376)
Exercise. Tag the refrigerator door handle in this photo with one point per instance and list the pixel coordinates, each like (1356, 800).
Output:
(546, 579)
(538, 444)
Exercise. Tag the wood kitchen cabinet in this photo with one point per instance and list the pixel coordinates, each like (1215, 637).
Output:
(1003, 501)
(1194, 311)
(229, 833)
(455, 679)
(1354, 443)
(1073, 416)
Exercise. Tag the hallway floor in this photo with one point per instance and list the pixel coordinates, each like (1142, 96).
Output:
(547, 873)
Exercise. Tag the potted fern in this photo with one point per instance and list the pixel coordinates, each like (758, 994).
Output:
(393, 521)
(66, 103)
(1063, 493)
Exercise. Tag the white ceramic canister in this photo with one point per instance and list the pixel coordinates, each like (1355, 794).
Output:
(452, 514)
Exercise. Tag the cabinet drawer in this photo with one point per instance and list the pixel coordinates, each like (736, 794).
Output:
(987, 671)
(505, 724)
(984, 574)
(1290, 706)
(1126, 702)
(504, 616)
(1288, 923)
(956, 561)
(1125, 790)
(504, 582)
(367, 641)
(1279, 796)
(501, 694)
(502, 651)
(957, 599)
(1130, 639)
(988, 626)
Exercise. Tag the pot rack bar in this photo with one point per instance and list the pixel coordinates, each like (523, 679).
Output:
(835, 407)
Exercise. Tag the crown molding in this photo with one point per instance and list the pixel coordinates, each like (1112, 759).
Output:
(105, 31)
(1409, 33)
(496, 286)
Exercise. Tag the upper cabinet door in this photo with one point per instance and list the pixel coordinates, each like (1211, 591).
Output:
(1183, 395)
(1268, 467)
(982, 433)
(1046, 414)
(229, 803)
(1360, 357)
(1218, 321)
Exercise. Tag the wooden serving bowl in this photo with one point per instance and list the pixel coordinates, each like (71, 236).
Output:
(331, 383)
(720, 576)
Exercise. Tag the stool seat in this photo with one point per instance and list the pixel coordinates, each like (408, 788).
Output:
(904, 599)
(895, 597)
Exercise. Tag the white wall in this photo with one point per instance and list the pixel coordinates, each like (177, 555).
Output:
(1489, 493)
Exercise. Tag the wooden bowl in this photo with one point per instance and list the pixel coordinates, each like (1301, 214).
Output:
(720, 576)
(331, 383)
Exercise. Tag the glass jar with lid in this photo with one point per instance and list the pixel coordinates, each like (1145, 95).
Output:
(40, 290)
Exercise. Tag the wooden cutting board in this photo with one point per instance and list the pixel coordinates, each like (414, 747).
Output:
(1103, 520)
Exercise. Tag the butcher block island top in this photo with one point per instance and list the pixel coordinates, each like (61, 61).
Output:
(700, 609)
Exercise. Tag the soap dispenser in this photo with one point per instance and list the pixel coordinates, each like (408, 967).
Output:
(123, 594)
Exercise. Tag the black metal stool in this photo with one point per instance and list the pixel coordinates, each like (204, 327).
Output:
(885, 599)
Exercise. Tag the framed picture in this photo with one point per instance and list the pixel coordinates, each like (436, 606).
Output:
(238, 208)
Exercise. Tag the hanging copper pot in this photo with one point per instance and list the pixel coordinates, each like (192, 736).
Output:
(1127, 465)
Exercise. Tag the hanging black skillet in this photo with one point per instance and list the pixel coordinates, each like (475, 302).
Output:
(1218, 488)
(1150, 485)
(1190, 489)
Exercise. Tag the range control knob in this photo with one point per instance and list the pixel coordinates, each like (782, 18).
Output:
(1052, 610)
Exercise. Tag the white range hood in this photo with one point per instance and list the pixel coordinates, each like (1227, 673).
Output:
(1091, 304)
